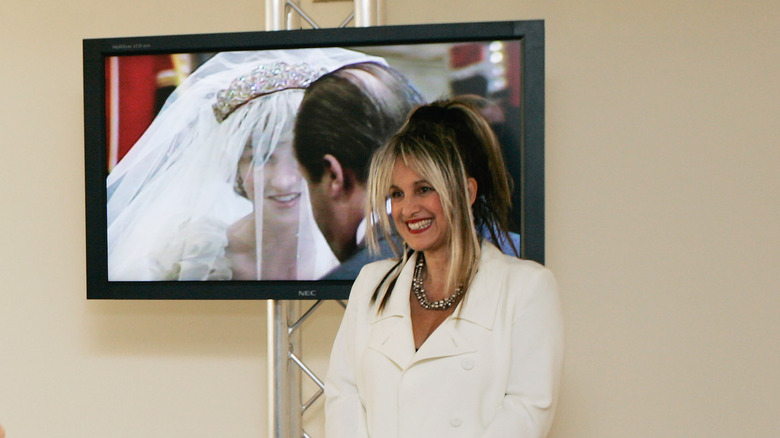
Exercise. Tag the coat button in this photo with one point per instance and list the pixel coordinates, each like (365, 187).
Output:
(467, 364)
(455, 422)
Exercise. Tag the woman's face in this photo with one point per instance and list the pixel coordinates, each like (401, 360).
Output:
(282, 181)
(417, 211)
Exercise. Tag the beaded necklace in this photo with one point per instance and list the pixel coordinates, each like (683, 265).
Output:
(419, 291)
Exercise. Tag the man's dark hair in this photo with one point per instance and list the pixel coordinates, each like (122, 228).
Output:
(349, 113)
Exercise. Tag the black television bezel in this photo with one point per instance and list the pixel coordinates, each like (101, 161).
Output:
(530, 33)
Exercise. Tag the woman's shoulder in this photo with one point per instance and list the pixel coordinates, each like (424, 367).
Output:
(380, 264)
(375, 271)
(493, 258)
(371, 274)
(519, 283)
(521, 274)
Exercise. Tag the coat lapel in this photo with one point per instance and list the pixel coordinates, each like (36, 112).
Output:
(478, 306)
(391, 332)
(445, 341)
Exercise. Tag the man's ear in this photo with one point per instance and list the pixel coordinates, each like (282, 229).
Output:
(333, 176)
(471, 187)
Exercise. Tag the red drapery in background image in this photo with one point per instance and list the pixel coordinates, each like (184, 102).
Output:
(132, 85)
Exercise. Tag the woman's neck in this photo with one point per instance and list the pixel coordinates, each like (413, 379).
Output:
(437, 267)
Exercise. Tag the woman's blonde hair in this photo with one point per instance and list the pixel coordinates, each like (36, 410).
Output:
(446, 142)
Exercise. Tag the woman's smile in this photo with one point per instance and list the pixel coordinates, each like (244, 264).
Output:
(419, 225)
(285, 200)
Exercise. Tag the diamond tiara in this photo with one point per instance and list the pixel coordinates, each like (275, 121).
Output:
(265, 79)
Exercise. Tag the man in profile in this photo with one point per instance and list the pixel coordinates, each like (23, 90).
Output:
(344, 117)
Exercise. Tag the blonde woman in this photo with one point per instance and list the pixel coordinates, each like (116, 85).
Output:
(452, 338)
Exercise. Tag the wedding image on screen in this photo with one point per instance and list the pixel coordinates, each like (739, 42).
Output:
(251, 165)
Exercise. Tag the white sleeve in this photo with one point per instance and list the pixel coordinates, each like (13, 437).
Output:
(536, 363)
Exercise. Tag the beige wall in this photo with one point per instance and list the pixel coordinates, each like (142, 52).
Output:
(663, 221)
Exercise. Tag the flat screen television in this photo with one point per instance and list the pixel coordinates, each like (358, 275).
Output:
(130, 82)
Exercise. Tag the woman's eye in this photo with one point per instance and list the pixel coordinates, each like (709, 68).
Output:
(425, 189)
(396, 194)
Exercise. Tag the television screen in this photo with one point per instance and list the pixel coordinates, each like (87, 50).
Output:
(231, 166)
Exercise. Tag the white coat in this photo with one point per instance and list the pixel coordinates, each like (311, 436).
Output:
(491, 369)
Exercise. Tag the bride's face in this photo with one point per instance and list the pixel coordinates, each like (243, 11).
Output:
(282, 181)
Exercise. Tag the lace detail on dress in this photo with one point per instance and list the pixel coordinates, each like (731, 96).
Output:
(196, 252)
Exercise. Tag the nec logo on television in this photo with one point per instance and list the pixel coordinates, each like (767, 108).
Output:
(307, 293)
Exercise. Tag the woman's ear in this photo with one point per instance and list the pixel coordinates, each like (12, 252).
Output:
(471, 187)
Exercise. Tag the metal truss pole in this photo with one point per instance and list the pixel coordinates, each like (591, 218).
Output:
(285, 367)
(369, 13)
(286, 14)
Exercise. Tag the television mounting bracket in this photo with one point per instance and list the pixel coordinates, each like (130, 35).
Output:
(285, 366)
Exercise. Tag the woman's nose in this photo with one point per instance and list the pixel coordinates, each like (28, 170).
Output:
(285, 176)
(409, 206)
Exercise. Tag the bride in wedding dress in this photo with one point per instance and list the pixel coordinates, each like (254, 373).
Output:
(212, 190)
